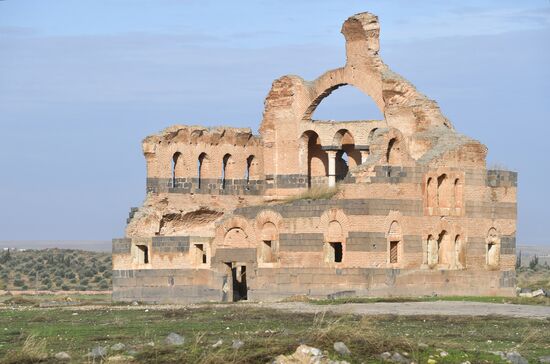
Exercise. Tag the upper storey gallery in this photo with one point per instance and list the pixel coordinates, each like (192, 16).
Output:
(294, 152)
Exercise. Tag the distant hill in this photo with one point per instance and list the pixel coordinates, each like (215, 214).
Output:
(55, 269)
(89, 245)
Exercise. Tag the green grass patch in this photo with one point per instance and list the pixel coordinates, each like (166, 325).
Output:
(545, 301)
(266, 333)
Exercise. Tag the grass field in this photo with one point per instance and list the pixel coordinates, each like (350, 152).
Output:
(534, 278)
(491, 299)
(35, 327)
(265, 333)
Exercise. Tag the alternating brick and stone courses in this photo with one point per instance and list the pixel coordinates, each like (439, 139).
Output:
(399, 206)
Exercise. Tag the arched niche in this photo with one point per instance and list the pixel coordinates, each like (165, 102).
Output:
(269, 243)
(395, 244)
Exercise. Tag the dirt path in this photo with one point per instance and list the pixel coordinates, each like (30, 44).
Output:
(445, 308)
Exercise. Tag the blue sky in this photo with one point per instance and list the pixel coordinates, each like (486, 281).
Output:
(83, 82)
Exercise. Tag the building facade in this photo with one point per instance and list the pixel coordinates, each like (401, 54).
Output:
(399, 206)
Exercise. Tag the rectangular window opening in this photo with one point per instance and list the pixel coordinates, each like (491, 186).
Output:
(338, 252)
(201, 256)
(394, 245)
(143, 254)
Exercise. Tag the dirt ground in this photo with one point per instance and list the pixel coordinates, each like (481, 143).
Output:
(443, 308)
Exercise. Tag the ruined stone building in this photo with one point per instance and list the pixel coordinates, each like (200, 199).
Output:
(401, 206)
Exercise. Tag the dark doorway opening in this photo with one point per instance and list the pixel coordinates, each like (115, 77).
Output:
(238, 282)
(337, 247)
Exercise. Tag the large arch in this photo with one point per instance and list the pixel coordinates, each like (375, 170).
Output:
(323, 86)
(346, 103)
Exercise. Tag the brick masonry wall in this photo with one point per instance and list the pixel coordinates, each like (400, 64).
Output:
(270, 284)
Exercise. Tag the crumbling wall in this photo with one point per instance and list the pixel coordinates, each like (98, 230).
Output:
(413, 210)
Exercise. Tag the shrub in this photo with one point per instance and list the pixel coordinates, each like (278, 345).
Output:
(65, 287)
(89, 273)
(33, 351)
(18, 283)
(534, 262)
(104, 285)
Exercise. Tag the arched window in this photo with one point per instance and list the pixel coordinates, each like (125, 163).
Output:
(493, 248)
(334, 246)
(312, 158)
(342, 165)
(371, 136)
(177, 168)
(445, 250)
(395, 243)
(430, 194)
(442, 191)
(201, 167)
(432, 253)
(250, 169)
(390, 151)
(225, 161)
(347, 156)
(457, 194)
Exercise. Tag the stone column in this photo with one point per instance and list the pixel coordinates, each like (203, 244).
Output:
(364, 155)
(331, 168)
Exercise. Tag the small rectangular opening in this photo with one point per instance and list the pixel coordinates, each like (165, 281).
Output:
(394, 245)
(201, 257)
(143, 254)
(336, 252)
